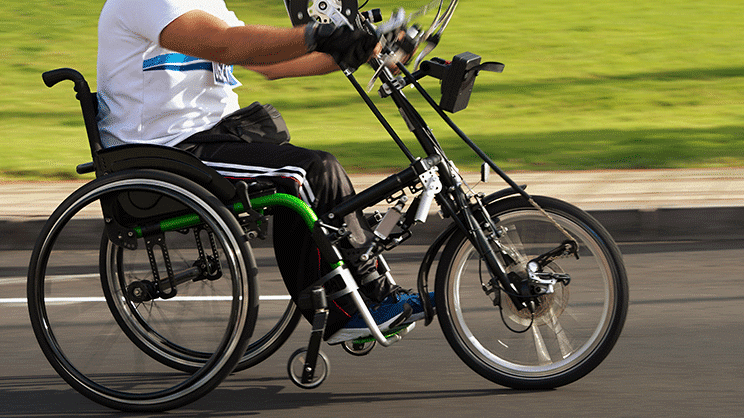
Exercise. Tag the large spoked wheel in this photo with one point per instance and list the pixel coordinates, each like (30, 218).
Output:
(567, 333)
(151, 329)
(210, 310)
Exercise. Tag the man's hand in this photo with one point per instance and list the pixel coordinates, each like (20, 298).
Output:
(351, 48)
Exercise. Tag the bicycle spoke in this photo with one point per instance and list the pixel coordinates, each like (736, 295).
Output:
(563, 343)
(541, 350)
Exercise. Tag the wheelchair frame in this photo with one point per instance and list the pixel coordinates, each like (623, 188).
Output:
(238, 198)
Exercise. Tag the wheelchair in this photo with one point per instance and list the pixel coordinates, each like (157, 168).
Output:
(176, 288)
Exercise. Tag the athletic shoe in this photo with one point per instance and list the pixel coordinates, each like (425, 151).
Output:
(395, 311)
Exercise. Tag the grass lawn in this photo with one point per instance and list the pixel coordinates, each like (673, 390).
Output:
(587, 85)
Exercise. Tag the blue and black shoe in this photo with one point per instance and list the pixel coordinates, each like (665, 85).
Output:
(395, 311)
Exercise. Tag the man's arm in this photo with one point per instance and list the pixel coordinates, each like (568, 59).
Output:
(203, 35)
(311, 64)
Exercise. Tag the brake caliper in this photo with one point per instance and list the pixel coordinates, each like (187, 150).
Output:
(543, 282)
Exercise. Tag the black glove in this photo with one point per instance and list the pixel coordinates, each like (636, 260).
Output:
(351, 48)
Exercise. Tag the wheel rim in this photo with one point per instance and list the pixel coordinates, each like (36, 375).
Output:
(90, 374)
(562, 335)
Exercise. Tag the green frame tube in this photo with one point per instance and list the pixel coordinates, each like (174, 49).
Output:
(282, 199)
(276, 199)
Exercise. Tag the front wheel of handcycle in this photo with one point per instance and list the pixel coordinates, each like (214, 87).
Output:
(210, 307)
(562, 335)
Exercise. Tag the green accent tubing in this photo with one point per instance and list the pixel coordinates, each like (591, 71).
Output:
(174, 224)
(286, 200)
(277, 199)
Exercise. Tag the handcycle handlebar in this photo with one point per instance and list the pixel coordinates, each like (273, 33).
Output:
(458, 77)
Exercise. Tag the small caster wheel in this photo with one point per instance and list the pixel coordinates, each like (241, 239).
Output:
(296, 369)
(358, 349)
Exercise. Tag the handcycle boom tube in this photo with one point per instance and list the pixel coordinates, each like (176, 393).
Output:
(456, 203)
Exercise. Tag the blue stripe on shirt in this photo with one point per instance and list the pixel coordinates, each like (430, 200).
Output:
(175, 62)
(207, 66)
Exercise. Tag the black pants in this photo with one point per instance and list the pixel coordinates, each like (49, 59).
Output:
(314, 176)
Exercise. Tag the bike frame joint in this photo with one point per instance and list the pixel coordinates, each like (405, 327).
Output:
(432, 187)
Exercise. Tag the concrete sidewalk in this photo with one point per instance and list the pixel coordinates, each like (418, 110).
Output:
(635, 205)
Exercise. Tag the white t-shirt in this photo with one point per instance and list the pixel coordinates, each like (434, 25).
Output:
(149, 94)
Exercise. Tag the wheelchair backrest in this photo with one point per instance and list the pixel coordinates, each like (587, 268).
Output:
(137, 156)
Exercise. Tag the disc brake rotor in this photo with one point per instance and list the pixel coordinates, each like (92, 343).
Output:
(548, 307)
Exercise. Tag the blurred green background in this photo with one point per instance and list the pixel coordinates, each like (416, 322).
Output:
(588, 85)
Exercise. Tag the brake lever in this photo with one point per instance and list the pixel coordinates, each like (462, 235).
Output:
(491, 66)
(338, 18)
(441, 20)
(376, 75)
(396, 22)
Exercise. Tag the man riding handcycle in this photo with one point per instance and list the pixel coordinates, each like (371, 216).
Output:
(186, 181)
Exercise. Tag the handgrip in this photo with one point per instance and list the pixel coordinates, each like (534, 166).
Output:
(55, 76)
(85, 168)
(88, 104)
(374, 15)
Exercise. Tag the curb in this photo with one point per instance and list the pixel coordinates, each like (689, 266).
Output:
(634, 225)
(673, 224)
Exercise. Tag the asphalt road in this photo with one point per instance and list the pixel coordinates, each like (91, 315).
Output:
(680, 355)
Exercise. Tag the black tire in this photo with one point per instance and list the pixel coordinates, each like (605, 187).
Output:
(72, 321)
(572, 330)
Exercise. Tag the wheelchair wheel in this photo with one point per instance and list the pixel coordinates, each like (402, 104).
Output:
(122, 269)
(209, 308)
(566, 333)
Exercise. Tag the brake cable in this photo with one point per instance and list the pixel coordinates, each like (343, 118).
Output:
(501, 308)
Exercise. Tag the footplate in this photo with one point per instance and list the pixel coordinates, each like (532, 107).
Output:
(401, 332)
